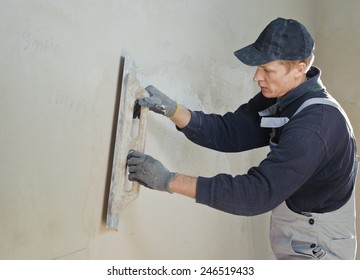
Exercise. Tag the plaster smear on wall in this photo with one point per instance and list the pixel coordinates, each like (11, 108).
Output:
(209, 86)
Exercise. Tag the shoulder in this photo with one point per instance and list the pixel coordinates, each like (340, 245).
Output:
(322, 124)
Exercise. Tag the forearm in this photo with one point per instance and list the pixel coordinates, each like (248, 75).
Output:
(183, 184)
(182, 117)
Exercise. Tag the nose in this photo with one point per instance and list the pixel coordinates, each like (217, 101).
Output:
(258, 75)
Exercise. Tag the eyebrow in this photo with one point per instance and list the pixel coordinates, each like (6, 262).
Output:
(267, 68)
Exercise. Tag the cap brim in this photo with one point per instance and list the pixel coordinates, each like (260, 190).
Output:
(251, 56)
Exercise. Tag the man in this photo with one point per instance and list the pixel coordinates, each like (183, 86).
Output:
(308, 177)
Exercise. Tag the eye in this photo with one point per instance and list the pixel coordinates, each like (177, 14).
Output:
(267, 70)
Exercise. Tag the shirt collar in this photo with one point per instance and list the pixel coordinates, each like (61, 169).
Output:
(313, 83)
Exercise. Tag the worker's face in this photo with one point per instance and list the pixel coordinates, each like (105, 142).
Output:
(275, 80)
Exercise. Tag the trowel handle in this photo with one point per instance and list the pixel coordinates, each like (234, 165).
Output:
(138, 143)
(140, 139)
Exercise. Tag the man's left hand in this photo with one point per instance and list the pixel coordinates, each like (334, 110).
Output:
(148, 171)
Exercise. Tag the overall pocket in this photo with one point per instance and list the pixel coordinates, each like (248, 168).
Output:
(289, 242)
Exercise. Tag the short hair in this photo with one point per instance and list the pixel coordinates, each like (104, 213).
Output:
(291, 63)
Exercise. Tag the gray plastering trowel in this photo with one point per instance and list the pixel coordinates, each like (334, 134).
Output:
(130, 134)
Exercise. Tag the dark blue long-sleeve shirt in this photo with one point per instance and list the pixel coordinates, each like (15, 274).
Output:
(311, 167)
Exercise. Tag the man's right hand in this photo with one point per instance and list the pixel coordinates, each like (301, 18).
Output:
(157, 102)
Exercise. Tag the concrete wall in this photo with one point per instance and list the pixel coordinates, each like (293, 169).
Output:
(57, 96)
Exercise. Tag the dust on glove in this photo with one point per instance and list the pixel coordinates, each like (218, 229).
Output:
(157, 102)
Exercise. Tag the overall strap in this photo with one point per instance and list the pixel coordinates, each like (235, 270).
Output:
(274, 122)
(319, 100)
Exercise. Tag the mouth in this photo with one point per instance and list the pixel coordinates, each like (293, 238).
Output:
(265, 90)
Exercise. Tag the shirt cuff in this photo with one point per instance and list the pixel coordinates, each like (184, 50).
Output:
(192, 128)
(203, 190)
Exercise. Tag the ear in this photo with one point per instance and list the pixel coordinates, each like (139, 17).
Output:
(300, 69)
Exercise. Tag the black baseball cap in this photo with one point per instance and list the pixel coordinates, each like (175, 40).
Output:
(282, 39)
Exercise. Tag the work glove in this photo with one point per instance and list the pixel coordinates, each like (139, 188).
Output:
(148, 171)
(157, 102)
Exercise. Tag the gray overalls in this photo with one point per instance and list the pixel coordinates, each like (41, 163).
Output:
(329, 235)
